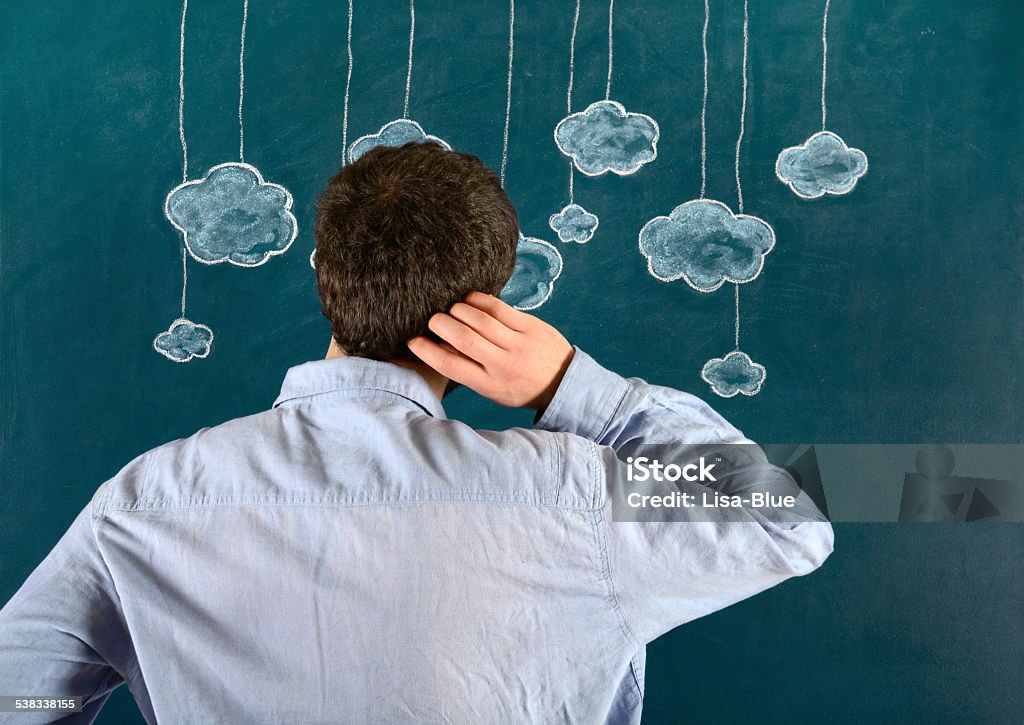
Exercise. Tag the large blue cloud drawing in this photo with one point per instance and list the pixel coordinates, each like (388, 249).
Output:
(232, 215)
(184, 340)
(574, 224)
(538, 265)
(606, 137)
(705, 244)
(733, 374)
(823, 164)
(394, 133)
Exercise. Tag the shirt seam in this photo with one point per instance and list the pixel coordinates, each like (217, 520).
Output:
(224, 502)
(603, 558)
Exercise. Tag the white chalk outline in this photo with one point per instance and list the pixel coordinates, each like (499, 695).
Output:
(625, 114)
(568, 93)
(704, 107)
(738, 391)
(611, 20)
(824, 61)
(558, 273)
(743, 108)
(261, 182)
(241, 82)
(803, 146)
(348, 86)
(182, 321)
(408, 73)
(682, 275)
(389, 124)
(312, 258)
(551, 220)
(508, 87)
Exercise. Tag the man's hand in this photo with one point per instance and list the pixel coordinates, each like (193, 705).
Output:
(513, 358)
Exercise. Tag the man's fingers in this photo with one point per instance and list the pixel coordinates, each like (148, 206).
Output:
(449, 363)
(464, 338)
(507, 315)
(489, 327)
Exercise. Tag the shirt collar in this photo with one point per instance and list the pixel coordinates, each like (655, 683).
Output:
(357, 377)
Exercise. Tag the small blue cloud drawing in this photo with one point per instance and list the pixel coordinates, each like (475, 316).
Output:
(394, 133)
(232, 215)
(538, 265)
(733, 374)
(184, 340)
(574, 224)
(606, 137)
(823, 164)
(706, 245)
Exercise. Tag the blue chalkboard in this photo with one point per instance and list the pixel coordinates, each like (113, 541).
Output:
(888, 314)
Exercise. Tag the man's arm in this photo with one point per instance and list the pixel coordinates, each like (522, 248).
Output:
(62, 633)
(662, 574)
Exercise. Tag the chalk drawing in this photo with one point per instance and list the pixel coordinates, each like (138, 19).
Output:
(232, 215)
(184, 340)
(573, 223)
(735, 373)
(823, 164)
(703, 243)
(706, 245)
(538, 266)
(538, 263)
(393, 133)
(605, 136)
(402, 130)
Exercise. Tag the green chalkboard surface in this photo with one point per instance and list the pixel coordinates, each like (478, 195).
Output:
(890, 314)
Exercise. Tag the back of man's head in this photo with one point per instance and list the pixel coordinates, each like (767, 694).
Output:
(403, 233)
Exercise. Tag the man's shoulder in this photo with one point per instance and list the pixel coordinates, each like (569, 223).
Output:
(164, 474)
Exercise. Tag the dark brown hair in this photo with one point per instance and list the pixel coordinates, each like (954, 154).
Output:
(402, 233)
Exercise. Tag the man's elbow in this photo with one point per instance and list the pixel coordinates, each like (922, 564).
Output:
(806, 546)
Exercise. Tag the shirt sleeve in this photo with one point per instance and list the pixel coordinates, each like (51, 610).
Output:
(665, 573)
(62, 634)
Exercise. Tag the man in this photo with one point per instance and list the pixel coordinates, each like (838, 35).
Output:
(354, 556)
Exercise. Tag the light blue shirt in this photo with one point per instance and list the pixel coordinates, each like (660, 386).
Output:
(354, 556)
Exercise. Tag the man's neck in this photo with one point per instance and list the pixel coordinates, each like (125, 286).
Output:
(435, 380)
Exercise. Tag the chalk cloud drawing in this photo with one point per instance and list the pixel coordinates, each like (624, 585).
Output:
(703, 243)
(393, 133)
(734, 374)
(706, 245)
(184, 340)
(230, 215)
(233, 215)
(402, 130)
(823, 164)
(574, 224)
(538, 265)
(606, 137)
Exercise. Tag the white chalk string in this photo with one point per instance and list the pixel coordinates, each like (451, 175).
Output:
(184, 145)
(737, 339)
(348, 86)
(704, 108)
(743, 107)
(824, 61)
(611, 18)
(408, 74)
(241, 82)
(568, 94)
(508, 86)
